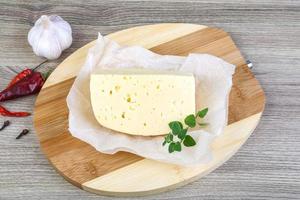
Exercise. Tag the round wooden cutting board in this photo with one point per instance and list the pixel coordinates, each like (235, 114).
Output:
(125, 174)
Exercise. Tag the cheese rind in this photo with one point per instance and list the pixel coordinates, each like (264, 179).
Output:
(141, 103)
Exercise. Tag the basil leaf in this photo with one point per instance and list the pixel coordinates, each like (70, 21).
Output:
(176, 127)
(164, 143)
(189, 141)
(169, 138)
(190, 121)
(182, 134)
(177, 146)
(202, 113)
(166, 138)
(172, 147)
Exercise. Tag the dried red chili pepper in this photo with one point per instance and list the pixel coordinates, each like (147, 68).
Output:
(7, 113)
(29, 85)
(25, 83)
(23, 74)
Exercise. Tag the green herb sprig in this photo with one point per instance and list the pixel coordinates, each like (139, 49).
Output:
(177, 130)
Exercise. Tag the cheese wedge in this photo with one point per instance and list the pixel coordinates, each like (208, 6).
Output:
(141, 102)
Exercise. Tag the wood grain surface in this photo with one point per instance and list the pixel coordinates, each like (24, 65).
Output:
(267, 32)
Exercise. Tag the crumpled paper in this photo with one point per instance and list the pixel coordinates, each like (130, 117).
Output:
(213, 83)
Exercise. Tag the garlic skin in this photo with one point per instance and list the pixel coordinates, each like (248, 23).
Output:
(49, 36)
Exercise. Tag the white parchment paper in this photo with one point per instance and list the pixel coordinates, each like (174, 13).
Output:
(213, 83)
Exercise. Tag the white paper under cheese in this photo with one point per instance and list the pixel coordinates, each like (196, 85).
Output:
(141, 104)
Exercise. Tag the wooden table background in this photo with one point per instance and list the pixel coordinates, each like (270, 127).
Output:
(267, 32)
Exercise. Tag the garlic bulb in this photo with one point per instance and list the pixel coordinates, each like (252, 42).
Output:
(49, 36)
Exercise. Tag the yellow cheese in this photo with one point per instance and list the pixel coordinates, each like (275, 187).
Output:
(141, 102)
